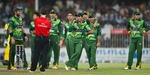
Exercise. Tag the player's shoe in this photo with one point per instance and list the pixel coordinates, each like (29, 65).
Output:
(93, 68)
(28, 68)
(55, 66)
(138, 67)
(31, 71)
(15, 68)
(73, 69)
(67, 67)
(127, 68)
(12, 67)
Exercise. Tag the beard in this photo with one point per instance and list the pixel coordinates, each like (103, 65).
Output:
(17, 15)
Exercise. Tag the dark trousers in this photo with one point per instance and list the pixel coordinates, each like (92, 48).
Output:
(135, 44)
(42, 45)
(12, 54)
(55, 48)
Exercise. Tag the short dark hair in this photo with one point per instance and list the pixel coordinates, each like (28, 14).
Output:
(85, 13)
(43, 11)
(71, 13)
(37, 13)
(16, 9)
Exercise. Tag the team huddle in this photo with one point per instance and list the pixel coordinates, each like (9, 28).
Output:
(81, 30)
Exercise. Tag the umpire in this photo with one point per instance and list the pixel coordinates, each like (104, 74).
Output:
(42, 27)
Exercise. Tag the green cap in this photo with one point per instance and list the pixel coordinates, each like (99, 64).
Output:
(17, 9)
(91, 16)
(52, 12)
(80, 14)
(136, 12)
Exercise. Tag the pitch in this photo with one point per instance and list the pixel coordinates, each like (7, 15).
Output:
(103, 69)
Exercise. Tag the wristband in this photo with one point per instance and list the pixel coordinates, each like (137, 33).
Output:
(129, 31)
(144, 31)
(11, 34)
(24, 34)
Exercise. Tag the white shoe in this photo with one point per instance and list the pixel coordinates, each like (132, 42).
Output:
(15, 68)
(67, 68)
(31, 71)
(28, 68)
(90, 69)
(55, 67)
(127, 67)
(138, 67)
(93, 68)
(73, 69)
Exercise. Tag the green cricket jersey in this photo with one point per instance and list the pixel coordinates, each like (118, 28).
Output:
(56, 27)
(137, 28)
(16, 25)
(32, 27)
(97, 31)
(80, 29)
(68, 29)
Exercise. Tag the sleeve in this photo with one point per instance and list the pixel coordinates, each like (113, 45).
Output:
(65, 34)
(87, 21)
(31, 26)
(99, 31)
(128, 27)
(60, 26)
(87, 27)
(75, 26)
(11, 24)
(146, 26)
(35, 23)
(7, 34)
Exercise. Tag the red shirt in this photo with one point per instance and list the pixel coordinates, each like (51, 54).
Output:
(42, 26)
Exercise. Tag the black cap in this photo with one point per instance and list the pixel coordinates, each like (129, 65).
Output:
(37, 13)
(91, 16)
(52, 12)
(43, 11)
(76, 15)
(16, 9)
(136, 12)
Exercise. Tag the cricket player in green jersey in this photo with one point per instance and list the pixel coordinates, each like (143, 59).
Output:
(32, 28)
(136, 28)
(69, 34)
(18, 36)
(79, 27)
(85, 18)
(56, 37)
(92, 41)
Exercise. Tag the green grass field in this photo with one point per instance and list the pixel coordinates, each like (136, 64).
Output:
(103, 69)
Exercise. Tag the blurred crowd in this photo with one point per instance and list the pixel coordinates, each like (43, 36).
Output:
(110, 13)
(116, 12)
